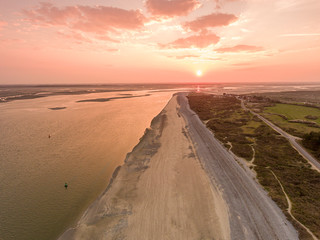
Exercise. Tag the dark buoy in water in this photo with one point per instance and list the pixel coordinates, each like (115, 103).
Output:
(66, 185)
(49, 136)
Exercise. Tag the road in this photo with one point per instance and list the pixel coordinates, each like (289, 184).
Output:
(292, 139)
(252, 214)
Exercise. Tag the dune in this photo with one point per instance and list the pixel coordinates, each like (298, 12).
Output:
(160, 192)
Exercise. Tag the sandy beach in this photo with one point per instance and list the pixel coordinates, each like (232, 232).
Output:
(161, 191)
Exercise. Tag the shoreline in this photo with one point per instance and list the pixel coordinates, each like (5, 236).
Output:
(147, 185)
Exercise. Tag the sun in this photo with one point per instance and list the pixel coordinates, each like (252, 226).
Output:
(199, 73)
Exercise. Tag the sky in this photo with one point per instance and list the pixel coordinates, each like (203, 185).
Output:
(159, 41)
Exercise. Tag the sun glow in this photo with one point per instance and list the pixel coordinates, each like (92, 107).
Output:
(199, 73)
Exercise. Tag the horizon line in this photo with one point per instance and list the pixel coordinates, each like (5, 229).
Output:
(155, 83)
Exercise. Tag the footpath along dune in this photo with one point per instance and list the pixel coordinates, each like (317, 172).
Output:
(161, 191)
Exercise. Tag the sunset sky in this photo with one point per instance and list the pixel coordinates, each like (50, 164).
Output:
(148, 41)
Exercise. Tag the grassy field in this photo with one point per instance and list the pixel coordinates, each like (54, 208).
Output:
(273, 154)
(295, 129)
(282, 108)
(297, 120)
(293, 112)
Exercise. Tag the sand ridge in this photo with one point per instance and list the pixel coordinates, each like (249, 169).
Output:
(161, 192)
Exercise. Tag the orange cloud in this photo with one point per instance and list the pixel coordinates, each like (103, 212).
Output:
(200, 41)
(79, 37)
(210, 21)
(98, 19)
(171, 8)
(240, 48)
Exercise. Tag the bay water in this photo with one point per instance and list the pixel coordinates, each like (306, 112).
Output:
(79, 143)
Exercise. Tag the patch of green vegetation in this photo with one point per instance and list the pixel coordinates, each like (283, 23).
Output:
(293, 112)
(295, 129)
(294, 119)
(297, 120)
(250, 127)
(273, 152)
(312, 141)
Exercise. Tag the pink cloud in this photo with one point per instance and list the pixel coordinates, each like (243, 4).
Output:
(171, 8)
(98, 19)
(76, 36)
(240, 48)
(209, 21)
(200, 41)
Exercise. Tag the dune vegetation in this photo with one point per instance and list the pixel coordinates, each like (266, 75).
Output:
(273, 160)
(312, 141)
(300, 119)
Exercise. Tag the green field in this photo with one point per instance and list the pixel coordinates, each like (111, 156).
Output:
(293, 112)
(296, 129)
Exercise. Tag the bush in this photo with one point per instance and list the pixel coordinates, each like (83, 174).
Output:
(312, 141)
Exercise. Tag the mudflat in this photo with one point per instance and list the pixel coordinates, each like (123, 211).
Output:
(161, 191)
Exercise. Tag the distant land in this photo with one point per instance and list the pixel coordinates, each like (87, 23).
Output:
(23, 92)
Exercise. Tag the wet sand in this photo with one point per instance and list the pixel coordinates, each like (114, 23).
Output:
(161, 191)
